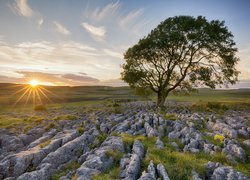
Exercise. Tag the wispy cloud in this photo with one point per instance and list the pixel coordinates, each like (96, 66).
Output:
(22, 8)
(130, 17)
(80, 78)
(98, 33)
(65, 57)
(51, 78)
(244, 66)
(108, 10)
(61, 29)
(40, 23)
(113, 53)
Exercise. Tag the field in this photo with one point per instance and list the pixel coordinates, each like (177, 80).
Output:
(10, 93)
(117, 114)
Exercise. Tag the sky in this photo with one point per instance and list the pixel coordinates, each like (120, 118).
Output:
(82, 42)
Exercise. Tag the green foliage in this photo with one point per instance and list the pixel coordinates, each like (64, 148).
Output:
(50, 126)
(209, 106)
(182, 52)
(219, 137)
(115, 155)
(80, 130)
(101, 137)
(112, 173)
(65, 117)
(170, 116)
(214, 140)
(44, 144)
(64, 170)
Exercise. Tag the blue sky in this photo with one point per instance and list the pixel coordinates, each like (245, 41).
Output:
(82, 42)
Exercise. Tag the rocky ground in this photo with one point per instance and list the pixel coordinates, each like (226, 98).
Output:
(136, 142)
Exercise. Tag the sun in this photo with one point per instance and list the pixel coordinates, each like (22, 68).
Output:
(33, 83)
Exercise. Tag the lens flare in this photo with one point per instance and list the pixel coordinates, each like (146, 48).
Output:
(33, 83)
(34, 92)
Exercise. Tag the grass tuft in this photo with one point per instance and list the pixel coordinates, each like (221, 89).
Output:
(44, 144)
(65, 170)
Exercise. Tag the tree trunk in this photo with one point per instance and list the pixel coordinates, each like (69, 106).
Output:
(160, 99)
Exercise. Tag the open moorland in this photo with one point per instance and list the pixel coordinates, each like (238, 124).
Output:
(110, 133)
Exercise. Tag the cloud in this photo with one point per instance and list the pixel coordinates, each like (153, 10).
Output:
(113, 53)
(52, 78)
(22, 8)
(63, 57)
(130, 17)
(40, 23)
(80, 78)
(61, 29)
(60, 79)
(98, 33)
(244, 64)
(109, 10)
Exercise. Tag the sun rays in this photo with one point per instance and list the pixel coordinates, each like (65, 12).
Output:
(33, 92)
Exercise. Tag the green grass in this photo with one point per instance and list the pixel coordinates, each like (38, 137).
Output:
(65, 117)
(70, 166)
(169, 116)
(211, 140)
(113, 172)
(108, 175)
(179, 165)
(80, 130)
(44, 144)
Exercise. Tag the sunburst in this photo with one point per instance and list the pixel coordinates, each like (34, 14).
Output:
(34, 92)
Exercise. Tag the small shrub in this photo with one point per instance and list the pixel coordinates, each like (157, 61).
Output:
(218, 137)
(65, 117)
(115, 155)
(27, 128)
(80, 130)
(65, 169)
(50, 126)
(171, 117)
(211, 140)
(40, 107)
(44, 144)
(102, 137)
(112, 173)
(115, 104)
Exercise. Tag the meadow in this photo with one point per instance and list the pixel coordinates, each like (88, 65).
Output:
(77, 108)
(10, 93)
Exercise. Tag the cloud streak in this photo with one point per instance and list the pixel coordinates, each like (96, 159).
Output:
(65, 57)
(130, 17)
(22, 8)
(98, 33)
(109, 10)
(61, 29)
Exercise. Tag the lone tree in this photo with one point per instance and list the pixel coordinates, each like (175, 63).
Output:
(182, 53)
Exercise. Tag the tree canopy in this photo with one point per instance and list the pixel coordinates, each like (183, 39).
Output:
(182, 53)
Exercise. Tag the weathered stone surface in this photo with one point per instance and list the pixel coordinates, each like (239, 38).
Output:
(130, 164)
(235, 151)
(159, 144)
(99, 161)
(195, 175)
(247, 143)
(162, 172)
(43, 173)
(226, 130)
(138, 149)
(216, 171)
(67, 151)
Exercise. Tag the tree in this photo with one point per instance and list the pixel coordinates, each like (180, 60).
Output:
(182, 53)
